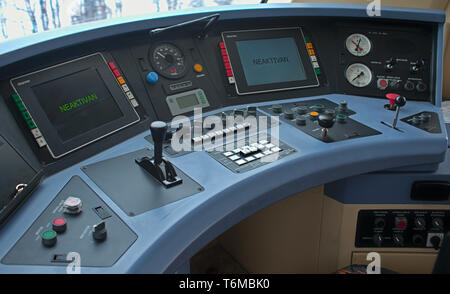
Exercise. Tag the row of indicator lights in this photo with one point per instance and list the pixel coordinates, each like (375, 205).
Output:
(312, 54)
(27, 117)
(123, 84)
(226, 62)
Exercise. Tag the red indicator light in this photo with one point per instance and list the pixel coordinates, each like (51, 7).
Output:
(112, 66)
(224, 51)
(225, 58)
(116, 72)
(227, 65)
(401, 225)
(229, 73)
(222, 45)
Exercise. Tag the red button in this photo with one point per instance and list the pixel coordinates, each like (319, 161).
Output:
(229, 73)
(227, 65)
(111, 65)
(59, 225)
(116, 73)
(224, 51)
(401, 225)
(222, 45)
(383, 83)
(225, 58)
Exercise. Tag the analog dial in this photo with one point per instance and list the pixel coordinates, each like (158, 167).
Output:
(168, 60)
(358, 45)
(359, 75)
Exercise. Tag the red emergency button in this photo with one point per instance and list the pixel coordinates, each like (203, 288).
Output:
(401, 222)
(382, 84)
(59, 225)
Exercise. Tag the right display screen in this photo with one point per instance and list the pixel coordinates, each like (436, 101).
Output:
(269, 60)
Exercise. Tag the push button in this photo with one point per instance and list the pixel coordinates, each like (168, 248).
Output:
(313, 115)
(59, 225)
(198, 68)
(72, 205)
(49, 238)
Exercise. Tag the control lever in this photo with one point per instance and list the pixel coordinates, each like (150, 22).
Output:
(159, 167)
(395, 103)
(326, 121)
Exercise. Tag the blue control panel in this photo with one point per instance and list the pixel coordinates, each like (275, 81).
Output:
(335, 129)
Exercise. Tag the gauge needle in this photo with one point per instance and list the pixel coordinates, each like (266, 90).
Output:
(357, 45)
(358, 76)
(160, 54)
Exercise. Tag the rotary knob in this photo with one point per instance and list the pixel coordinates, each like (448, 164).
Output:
(302, 110)
(399, 240)
(288, 114)
(301, 121)
(277, 108)
(99, 232)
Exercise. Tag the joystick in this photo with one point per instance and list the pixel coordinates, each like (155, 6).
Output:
(326, 121)
(160, 168)
(395, 103)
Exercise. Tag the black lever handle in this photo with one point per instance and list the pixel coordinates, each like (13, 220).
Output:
(159, 130)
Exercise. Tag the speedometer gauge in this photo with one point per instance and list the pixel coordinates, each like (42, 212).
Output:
(168, 60)
(358, 45)
(359, 75)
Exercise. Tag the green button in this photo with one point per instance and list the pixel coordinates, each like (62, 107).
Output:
(49, 235)
(26, 115)
(15, 97)
(20, 106)
(31, 124)
(318, 71)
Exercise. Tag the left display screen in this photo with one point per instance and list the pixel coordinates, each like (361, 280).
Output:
(75, 103)
(73, 110)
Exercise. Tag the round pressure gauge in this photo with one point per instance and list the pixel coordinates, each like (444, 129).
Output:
(358, 44)
(359, 75)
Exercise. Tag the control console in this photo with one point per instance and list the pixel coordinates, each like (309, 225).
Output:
(402, 228)
(321, 119)
(77, 222)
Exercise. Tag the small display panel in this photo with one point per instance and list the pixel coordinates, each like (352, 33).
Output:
(75, 103)
(269, 60)
(73, 110)
(187, 101)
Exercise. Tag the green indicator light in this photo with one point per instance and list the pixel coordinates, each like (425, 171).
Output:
(20, 106)
(26, 115)
(49, 235)
(342, 116)
(318, 71)
(15, 97)
(31, 124)
(307, 39)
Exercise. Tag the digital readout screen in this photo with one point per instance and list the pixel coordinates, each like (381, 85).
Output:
(187, 101)
(270, 61)
(77, 103)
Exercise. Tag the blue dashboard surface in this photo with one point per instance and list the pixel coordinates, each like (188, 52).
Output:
(170, 235)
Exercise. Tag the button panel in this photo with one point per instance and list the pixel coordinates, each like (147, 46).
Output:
(251, 152)
(402, 228)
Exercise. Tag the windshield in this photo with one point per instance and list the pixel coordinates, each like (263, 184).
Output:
(19, 18)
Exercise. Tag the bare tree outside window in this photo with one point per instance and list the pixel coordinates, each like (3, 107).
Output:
(23, 17)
